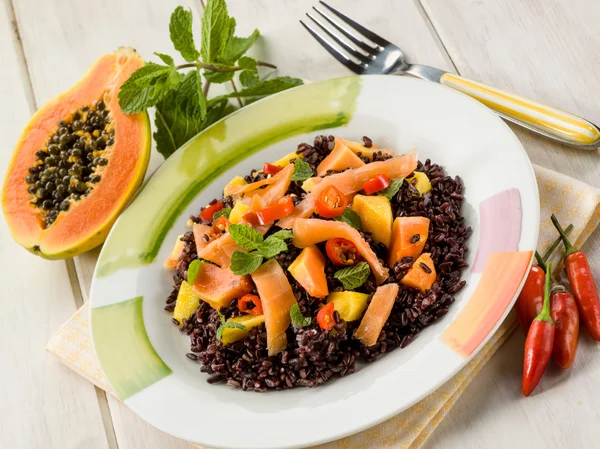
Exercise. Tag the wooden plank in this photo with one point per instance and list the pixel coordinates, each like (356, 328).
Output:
(547, 50)
(44, 403)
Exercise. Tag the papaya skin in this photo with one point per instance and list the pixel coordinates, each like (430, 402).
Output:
(87, 222)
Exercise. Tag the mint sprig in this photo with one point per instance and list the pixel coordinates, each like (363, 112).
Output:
(297, 318)
(302, 170)
(225, 212)
(179, 92)
(354, 276)
(245, 236)
(350, 217)
(227, 325)
(390, 191)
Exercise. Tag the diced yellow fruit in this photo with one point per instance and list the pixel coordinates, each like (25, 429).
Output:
(286, 159)
(310, 183)
(231, 334)
(187, 302)
(238, 212)
(375, 214)
(350, 305)
(423, 185)
(173, 259)
(364, 151)
(235, 182)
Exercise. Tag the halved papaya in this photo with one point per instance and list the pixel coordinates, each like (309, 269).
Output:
(77, 163)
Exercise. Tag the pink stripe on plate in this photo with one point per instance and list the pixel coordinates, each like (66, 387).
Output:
(500, 226)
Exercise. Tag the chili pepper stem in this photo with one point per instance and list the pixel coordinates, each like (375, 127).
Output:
(545, 313)
(548, 253)
(570, 249)
(540, 261)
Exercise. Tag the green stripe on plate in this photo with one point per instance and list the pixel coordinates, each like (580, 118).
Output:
(139, 232)
(125, 353)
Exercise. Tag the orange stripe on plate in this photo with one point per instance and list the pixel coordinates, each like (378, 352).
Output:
(497, 287)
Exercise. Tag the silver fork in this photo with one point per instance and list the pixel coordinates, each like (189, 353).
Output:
(367, 53)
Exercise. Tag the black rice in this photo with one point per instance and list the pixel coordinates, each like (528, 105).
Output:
(314, 356)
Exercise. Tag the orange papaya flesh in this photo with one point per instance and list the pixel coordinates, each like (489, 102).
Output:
(90, 209)
(409, 235)
(422, 274)
(309, 270)
(219, 286)
(340, 158)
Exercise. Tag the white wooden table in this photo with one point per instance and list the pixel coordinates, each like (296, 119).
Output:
(545, 49)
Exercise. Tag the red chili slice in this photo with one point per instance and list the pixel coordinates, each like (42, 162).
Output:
(219, 227)
(376, 184)
(331, 203)
(280, 209)
(250, 304)
(208, 213)
(342, 252)
(271, 169)
(325, 317)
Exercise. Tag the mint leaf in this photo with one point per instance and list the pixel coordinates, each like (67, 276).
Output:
(390, 191)
(247, 63)
(146, 87)
(228, 325)
(179, 116)
(284, 234)
(302, 171)
(217, 29)
(350, 217)
(219, 77)
(271, 247)
(166, 59)
(180, 28)
(216, 112)
(245, 263)
(193, 270)
(237, 46)
(297, 318)
(267, 87)
(222, 213)
(249, 78)
(354, 276)
(245, 236)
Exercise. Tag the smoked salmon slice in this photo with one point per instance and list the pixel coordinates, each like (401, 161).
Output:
(200, 230)
(350, 182)
(310, 231)
(377, 314)
(277, 299)
(277, 189)
(340, 158)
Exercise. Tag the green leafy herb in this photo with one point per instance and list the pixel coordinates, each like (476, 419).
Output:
(302, 171)
(297, 317)
(350, 217)
(182, 109)
(146, 87)
(271, 247)
(390, 191)
(182, 37)
(284, 234)
(227, 325)
(222, 213)
(354, 276)
(193, 270)
(245, 236)
(245, 263)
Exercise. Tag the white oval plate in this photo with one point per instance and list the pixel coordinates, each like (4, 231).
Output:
(143, 355)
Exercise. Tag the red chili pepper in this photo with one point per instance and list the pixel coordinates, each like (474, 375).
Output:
(280, 209)
(539, 342)
(271, 169)
(582, 284)
(376, 184)
(250, 304)
(219, 227)
(208, 213)
(566, 319)
(531, 299)
(325, 317)
(331, 203)
(342, 252)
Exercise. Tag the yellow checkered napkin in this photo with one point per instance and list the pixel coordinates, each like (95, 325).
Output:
(572, 201)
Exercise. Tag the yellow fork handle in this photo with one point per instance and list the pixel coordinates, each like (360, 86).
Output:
(552, 122)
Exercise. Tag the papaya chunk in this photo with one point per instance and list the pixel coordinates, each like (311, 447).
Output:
(277, 299)
(422, 274)
(219, 286)
(340, 158)
(409, 235)
(173, 259)
(57, 222)
(377, 314)
(309, 270)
